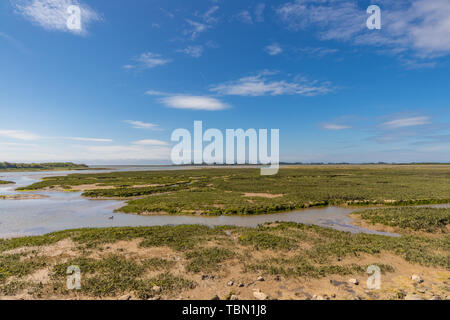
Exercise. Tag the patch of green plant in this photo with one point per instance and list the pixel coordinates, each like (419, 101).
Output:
(419, 219)
(263, 239)
(226, 191)
(6, 182)
(158, 264)
(207, 259)
(19, 265)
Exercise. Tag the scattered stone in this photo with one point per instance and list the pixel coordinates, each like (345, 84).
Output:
(317, 297)
(206, 277)
(357, 298)
(421, 290)
(241, 285)
(413, 297)
(216, 297)
(416, 278)
(333, 295)
(260, 295)
(277, 278)
(260, 278)
(354, 281)
(234, 297)
(230, 283)
(339, 259)
(125, 297)
(435, 298)
(156, 289)
(155, 298)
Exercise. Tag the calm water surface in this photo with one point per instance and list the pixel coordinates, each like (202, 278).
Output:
(62, 210)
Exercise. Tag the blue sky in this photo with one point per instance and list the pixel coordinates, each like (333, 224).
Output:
(114, 92)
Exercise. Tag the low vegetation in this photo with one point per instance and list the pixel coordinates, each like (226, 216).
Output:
(8, 166)
(241, 191)
(418, 219)
(169, 261)
(6, 182)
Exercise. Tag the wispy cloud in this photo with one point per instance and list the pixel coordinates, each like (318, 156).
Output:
(259, 12)
(142, 125)
(193, 51)
(317, 52)
(150, 142)
(333, 126)
(19, 134)
(244, 16)
(406, 122)
(193, 103)
(89, 139)
(273, 49)
(147, 60)
(419, 27)
(261, 85)
(52, 14)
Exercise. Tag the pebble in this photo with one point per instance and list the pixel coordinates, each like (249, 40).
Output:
(230, 283)
(416, 278)
(354, 281)
(234, 297)
(260, 278)
(216, 297)
(241, 285)
(317, 297)
(125, 297)
(156, 289)
(260, 295)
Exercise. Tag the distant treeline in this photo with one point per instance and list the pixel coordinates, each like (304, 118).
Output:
(53, 165)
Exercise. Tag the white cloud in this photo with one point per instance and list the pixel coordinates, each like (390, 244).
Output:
(259, 12)
(19, 134)
(406, 122)
(150, 142)
(317, 52)
(142, 125)
(193, 51)
(195, 28)
(417, 26)
(260, 85)
(244, 17)
(150, 60)
(332, 126)
(52, 14)
(273, 49)
(193, 103)
(90, 139)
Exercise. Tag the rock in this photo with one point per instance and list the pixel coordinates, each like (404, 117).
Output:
(206, 277)
(354, 281)
(216, 297)
(260, 295)
(125, 297)
(260, 278)
(277, 278)
(416, 278)
(413, 297)
(317, 297)
(156, 289)
(230, 283)
(333, 295)
(435, 298)
(421, 290)
(241, 285)
(234, 297)
(155, 298)
(339, 259)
